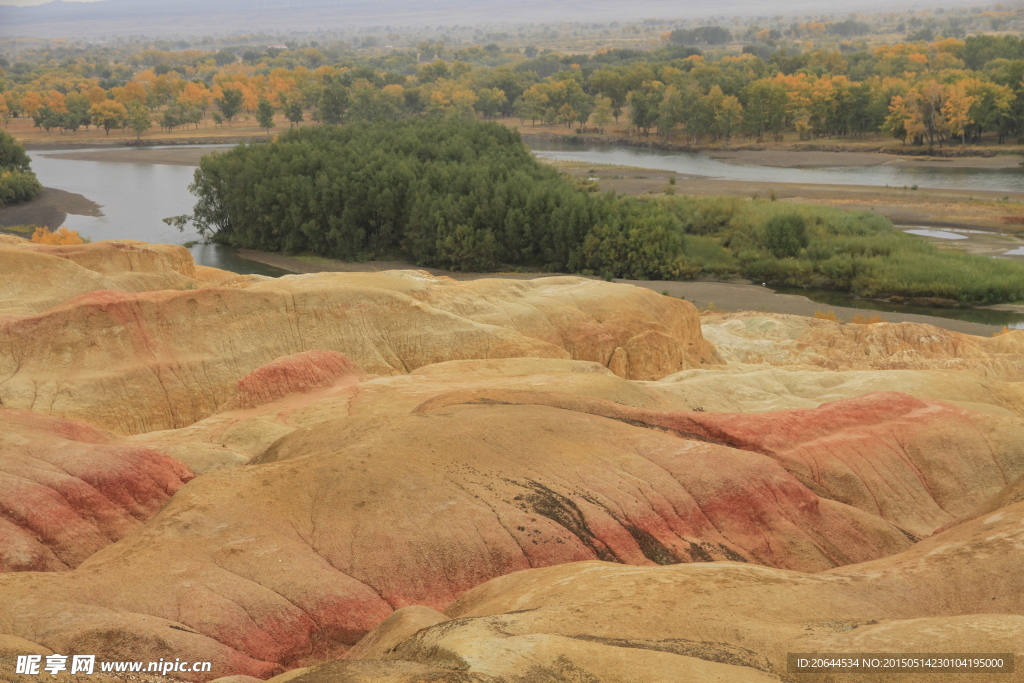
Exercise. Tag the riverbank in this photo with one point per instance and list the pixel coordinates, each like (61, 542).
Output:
(175, 156)
(68, 142)
(243, 129)
(875, 149)
(49, 209)
(998, 213)
(718, 296)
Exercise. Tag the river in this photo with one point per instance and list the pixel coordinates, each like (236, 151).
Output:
(696, 164)
(136, 197)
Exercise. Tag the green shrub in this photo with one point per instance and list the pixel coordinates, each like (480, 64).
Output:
(785, 235)
(18, 186)
(17, 181)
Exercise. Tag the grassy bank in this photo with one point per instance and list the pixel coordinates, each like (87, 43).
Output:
(853, 251)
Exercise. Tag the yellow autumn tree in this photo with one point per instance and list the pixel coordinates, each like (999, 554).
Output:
(63, 236)
(450, 98)
(108, 114)
(195, 96)
(56, 101)
(956, 109)
(133, 92)
(31, 103)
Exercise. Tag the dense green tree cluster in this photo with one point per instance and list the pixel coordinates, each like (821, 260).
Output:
(455, 193)
(17, 181)
(466, 194)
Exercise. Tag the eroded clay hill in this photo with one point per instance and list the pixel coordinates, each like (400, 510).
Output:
(498, 481)
(68, 489)
(136, 361)
(788, 340)
(410, 490)
(960, 591)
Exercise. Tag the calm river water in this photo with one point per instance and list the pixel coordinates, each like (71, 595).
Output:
(691, 163)
(135, 197)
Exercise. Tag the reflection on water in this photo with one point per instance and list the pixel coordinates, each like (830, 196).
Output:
(135, 198)
(941, 234)
(985, 316)
(226, 258)
(692, 163)
(1019, 251)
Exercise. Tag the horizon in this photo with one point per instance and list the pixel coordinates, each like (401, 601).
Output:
(106, 19)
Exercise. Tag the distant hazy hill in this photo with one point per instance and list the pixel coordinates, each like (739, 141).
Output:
(159, 17)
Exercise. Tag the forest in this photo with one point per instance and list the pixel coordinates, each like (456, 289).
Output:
(701, 85)
(468, 195)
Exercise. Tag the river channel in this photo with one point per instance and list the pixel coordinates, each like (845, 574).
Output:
(696, 164)
(135, 197)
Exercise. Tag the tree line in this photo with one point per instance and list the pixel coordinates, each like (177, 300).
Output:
(945, 92)
(467, 195)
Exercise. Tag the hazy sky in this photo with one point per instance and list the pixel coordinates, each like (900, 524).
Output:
(89, 19)
(727, 7)
(23, 3)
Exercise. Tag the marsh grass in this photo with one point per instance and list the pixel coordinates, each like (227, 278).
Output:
(19, 229)
(855, 251)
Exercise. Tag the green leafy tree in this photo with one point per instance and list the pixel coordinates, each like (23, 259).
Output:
(671, 111)
(78, 110)
(225, 57)
(613, 85)
(334, 101)
(12, 155)
(643, 106)
(139, 119)
(293, 110)
(230, 103)
(490, 101)
(265, 114)
(46, 118)
(366, 102)
(765, 108)
(17, 181)
(602, 112)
